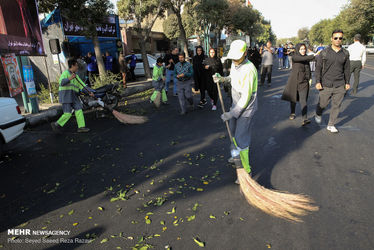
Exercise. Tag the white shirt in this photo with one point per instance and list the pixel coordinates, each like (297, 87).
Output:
(357, 52)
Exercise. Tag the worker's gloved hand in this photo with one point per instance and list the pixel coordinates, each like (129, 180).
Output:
(227, 116)
(217, 78)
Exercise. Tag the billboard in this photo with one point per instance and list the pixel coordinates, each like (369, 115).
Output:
(106, 29)
(12, 74)
(20, 28)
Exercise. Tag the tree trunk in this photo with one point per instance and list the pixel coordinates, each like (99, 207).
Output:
(183, 36)
(147, 70)
(99, 57)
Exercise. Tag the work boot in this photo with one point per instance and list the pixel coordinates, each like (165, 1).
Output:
(83, 130)
(55, 127)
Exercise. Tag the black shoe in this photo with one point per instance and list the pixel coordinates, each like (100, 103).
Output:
(202, 102)
(305, 122)
(55, 127)
(83, 130)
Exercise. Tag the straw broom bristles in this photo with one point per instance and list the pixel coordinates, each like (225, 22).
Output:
(157, 101)
(129, 119)
(279, 204)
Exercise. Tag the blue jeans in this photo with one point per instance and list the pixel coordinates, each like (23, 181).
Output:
(286, 62)
(169, 76)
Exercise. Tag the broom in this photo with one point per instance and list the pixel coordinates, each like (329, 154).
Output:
(124, 118)
(276, 203)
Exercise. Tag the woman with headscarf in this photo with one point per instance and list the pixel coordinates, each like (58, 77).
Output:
(212, 66)
(198, 73)
(297, 88)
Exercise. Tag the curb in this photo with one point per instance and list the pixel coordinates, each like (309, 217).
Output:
(51, 114)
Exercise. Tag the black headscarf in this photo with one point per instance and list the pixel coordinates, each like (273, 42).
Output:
(198, 62)
(215, 65)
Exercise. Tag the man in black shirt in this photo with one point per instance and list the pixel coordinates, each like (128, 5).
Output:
(170, 61)
(332, 78)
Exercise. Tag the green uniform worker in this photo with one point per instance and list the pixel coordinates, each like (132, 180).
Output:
(69, 86)
(243, 80)
(158, 82)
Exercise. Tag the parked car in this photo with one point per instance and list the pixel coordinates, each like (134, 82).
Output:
(11, 121)
(370, 49)
(139, 70)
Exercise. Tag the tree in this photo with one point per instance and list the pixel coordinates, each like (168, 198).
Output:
(212, 17)
(176, 7)
(86, 14)
(144, 14)
(303, 33)
(170, 27)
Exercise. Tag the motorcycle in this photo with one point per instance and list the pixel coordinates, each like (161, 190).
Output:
(107, 94)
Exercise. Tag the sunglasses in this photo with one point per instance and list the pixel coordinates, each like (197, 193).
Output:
(336, 38)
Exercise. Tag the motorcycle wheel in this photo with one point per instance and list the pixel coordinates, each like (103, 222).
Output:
(111, 101)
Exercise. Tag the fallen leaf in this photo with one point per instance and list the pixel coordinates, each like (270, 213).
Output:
(190, 218)
(199, 189)
(212, 216)
(172, 211)
(104, 240)
(162, 222)
(198, 242)
(100, 208)
(268, 245)
(71, 212)
(24, 224)
(75, 224)
(195, 207)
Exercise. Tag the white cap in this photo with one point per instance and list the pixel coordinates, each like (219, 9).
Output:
(237, 49)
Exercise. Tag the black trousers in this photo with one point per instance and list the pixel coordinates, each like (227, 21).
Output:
(356, 67)
(132, 68)
(266, 70)
(303, 98)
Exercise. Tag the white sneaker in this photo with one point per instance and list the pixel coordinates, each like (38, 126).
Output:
(318, 119)
(332, 129)
(214, 107)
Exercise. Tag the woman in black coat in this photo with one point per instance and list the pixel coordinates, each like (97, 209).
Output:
(297, 88)
(198, 73)
(212, 65)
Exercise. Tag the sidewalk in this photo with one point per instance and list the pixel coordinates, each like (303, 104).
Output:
(50, 112)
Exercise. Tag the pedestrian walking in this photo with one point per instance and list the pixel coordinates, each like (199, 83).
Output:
(170, 60)
(133, 65)
(286, 64)
(108, 62)
(312, 63)
(280, 57)
(267, 62)
(291, 51)
(332, 78)
(124, 69)
(184, 72)
(91, 67)
(320, 47)
(243, 80)
(70, 85)
(212, 66)
(297, 87)
(357, 57)
(198, 70)
(255, 57)
(158, 82)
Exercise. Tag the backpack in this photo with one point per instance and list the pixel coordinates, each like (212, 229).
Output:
(324, 58)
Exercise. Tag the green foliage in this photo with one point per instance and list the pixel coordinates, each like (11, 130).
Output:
(170, 26)
(303, 33)
(99, 81)
(356, 17)
(43, 94)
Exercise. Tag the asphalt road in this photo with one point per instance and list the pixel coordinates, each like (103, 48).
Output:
(66, 182)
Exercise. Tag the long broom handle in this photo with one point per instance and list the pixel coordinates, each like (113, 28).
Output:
(223, 110)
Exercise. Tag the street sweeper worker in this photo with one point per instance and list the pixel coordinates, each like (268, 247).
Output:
(158, 80)
(69, 87)
(243, 80)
